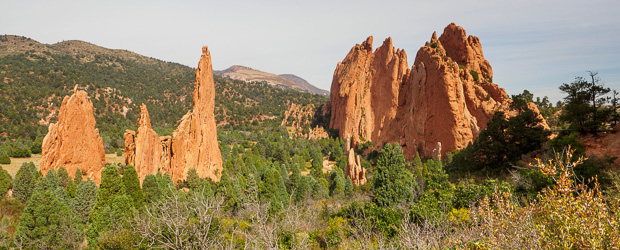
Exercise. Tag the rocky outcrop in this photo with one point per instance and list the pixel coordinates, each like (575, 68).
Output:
(144, 148)
(365, 90)
(192, 145)
(437, 106)
(298, 119)
(74, 142)
(194, 142)
(354, 166)
(603, 145)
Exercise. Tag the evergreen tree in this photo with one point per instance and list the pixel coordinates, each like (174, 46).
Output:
(193, 179)
(282, 194)
(71, 188)
(269, 185)
(63, 177)
(393, 183)
(317, 164)
(24, 183)
(583, 108)
(47, 223)
(132, 186)
(110, 188)
(6, 182)
(150, 188)
(251, 190)
(294, 178)
(417, 161)
(348, 187)
(51, 180)
(77, 177)
(165, 183)
(320, 189)
(504, 141)
(337, 183)
(84, 201)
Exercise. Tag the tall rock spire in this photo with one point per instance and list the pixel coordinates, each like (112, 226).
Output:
(192, 145)
(194, 142)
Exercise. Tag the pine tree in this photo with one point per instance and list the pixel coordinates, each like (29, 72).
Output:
(392, 182)
(337, 183)
(71, 188)
(132, 186)
(6, 182)
(47, 223)
(63, 177)
(294, 178)
(110, 188)
(348, 187)
(77, 178)
(193, 179)
(320, 189)
(150, 188)
(51, 180)
(84, 201)
(417, 162)
(24, 182)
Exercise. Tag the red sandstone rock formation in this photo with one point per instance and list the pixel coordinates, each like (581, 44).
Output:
(74, 142)
(144, 148)
(354, 165)
(444, 100)
(298, 117)
(603, 145)
(194, 142)
(192, 145)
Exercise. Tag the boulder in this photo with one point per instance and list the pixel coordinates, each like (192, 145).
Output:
(74, 142)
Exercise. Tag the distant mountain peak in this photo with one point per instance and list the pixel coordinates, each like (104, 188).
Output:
(287, 81)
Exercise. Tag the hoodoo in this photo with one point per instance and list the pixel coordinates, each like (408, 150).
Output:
(74, 142)
(144, 149)
(437, 106)
(192, 145)
(194, 142)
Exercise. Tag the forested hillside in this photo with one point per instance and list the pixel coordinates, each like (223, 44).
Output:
(35, 78)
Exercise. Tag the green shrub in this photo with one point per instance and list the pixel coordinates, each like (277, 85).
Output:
(434, 45)
(474, 74)
(4, 159)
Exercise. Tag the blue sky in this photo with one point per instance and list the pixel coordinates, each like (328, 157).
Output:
(534, 45)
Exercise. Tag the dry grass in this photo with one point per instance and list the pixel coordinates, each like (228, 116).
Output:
(36, 159)
(17, 162)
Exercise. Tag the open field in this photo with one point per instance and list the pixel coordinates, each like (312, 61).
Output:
(36, 159)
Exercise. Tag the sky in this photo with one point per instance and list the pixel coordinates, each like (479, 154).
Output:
(533, 45)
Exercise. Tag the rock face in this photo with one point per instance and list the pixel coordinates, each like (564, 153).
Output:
(603, 145)
(74, 142)
(192, 145)
(194, 142)
(354, 165)
(299, 117)
(144, 148)
(437, 106)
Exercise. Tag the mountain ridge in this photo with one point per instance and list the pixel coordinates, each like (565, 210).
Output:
(287, 81)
